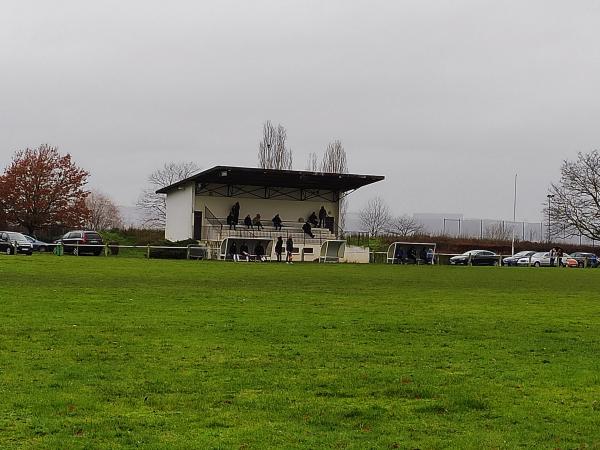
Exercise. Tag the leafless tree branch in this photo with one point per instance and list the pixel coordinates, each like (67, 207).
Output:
(153, 205)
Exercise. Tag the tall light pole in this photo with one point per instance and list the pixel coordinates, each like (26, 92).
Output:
(514, 217)
(550, 197)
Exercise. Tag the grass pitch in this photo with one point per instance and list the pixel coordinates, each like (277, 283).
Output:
(120, 353)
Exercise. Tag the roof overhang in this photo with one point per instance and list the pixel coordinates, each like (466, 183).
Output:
(251, 176)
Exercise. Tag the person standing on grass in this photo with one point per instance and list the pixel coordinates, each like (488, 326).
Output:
(552, 254)
(279, 248)
(233, 252)
(289, 247)
(559, 256)
(322, 217)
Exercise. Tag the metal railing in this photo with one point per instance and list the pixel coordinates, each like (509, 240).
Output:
(218, 231)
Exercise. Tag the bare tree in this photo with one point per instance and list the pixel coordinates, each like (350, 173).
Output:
(498, 232)
(104, 214)
(405, 226)
(335, 161)
(153, 205)
(375, 216)
(575, 205)
(312, 164)
(273, 152)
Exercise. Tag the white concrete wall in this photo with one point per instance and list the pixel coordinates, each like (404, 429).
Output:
(288, 210)
(180, 214)
(355, 254)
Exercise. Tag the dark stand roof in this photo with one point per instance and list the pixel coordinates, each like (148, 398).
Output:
(251, 176)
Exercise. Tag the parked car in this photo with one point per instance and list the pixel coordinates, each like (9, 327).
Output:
(476, 258)
(38, 246)
(82, 241)
(7, 243)
(542, 259)
(512, 260)
(581, 257)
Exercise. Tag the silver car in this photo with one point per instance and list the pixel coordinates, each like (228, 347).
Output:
(541, 259)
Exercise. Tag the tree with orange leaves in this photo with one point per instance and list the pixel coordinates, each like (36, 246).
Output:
(42, 188)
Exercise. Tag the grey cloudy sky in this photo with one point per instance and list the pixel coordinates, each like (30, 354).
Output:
(447, 99)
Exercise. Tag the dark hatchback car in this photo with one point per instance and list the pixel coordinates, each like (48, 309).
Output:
(583, 257)
(476, 258)
(81, 241)
(8, 240)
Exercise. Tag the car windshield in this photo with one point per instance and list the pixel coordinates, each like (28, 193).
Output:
(470, 252)
(540, 254)
(521, 254)
(16, 237)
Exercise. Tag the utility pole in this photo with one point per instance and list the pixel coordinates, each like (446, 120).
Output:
(514, 217)
(550, 197)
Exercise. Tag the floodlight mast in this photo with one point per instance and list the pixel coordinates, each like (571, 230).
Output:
(514, 216)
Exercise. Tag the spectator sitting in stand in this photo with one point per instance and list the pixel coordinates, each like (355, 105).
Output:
(244, 251)
(313, 219)
(412, 255)
(308, 229)
(257, 223)
(248, 221)
(277, 222)
(259, 251)
(423, 255)
(230, 221)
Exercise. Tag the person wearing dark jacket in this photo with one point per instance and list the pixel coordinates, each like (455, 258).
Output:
(289, 248)
(230, 221)
(244, 251)
(235, 211)
(559, 256)
(233, 252)
(257, 223)
(248, 221)
(313, 220)
(277, 222)
(322, 217)
(259, 251)
(279, 248)
(308, 229)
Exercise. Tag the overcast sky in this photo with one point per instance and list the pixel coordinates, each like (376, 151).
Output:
(448, 99)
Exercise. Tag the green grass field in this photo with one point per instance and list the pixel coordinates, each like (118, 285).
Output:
(120, 353)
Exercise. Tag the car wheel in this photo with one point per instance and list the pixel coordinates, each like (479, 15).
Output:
(29, 254)
(495, 264)
(536, 264)
(42, 249)
(9, 251)
(75, 251)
